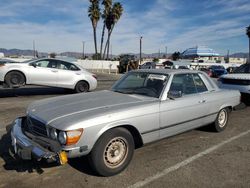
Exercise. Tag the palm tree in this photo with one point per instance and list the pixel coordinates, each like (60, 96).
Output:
(107, 8)
(112, 18)
(248, 34)
(94, 15)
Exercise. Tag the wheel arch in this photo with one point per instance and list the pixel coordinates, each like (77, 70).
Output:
(25, 79)
(228, 106)
(81, 81)
(133, 131)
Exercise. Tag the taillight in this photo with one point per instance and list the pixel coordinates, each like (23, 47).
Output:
(2, 65)
(94, 76)
(210, 73)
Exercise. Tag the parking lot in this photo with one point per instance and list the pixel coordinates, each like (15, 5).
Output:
(198, 158)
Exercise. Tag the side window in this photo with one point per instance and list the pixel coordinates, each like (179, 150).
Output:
(52, 64)
(183, 83)
(67, 66)
(62, 65)
(42, 63)
(200, 86)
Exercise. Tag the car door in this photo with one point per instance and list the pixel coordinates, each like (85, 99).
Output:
(68, 74)
(43, 72)
(186, 112)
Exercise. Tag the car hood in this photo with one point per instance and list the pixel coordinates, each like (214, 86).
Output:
(78, 107)
(245, 76)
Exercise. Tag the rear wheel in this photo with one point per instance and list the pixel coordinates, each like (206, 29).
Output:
(81, 86)
(221, 121)
(113, 152)
(15, 79)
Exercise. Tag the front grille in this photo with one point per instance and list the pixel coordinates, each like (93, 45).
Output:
(35, 126)
(235, 81)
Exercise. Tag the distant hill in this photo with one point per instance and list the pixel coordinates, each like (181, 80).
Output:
(240, 55)
(18, 52)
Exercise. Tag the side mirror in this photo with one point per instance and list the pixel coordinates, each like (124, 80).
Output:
(33, 64)
(174, 94)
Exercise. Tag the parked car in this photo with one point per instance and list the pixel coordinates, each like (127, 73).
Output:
(48, 72)
(216, 71)
(239, 80)
(142, 107)
(4, 61)
(151, 65)
(182, 67)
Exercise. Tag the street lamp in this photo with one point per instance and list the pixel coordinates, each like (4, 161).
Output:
(83, 55)
(140, 49)
(166, 48)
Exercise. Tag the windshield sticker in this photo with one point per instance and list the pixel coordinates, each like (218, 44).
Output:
(157, 77)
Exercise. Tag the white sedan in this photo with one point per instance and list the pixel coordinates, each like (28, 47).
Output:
(48, 72)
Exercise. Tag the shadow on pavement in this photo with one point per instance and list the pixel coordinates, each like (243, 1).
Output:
(82, 165)
(13, 162)
(32, 91)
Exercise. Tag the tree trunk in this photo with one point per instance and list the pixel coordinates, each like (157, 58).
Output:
(94, 29)
(103, 33)
(106, 45)
(108, 41)
(249, 50)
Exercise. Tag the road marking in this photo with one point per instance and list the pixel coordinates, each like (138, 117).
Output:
(185, 162)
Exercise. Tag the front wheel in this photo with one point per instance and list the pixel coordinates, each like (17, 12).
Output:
(113, 152)
(221, 120)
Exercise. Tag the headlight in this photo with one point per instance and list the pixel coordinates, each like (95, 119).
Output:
(69, 137)
(62, 138)
(53, 134)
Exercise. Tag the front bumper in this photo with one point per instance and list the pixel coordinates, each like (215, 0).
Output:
(28, 149)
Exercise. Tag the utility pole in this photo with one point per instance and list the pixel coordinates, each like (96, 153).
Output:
(227, 56)
(159, 54)
(83, 54)
(166, 48)
(140, 50)
(34, 49)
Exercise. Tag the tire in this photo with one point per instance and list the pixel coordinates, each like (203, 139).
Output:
(221, 120)
(15, 79)
(81, 86)
(113, 152)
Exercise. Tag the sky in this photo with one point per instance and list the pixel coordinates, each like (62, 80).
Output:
(62, 25)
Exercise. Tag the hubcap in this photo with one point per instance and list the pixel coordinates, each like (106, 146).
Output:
(115, 152)
(82, 87)
(15, 79)
(222, 119)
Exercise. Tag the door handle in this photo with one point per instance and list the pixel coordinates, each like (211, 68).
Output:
(54, 70)
(202, 101)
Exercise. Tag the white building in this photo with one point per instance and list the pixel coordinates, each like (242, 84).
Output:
(1, 55)
(237, 60)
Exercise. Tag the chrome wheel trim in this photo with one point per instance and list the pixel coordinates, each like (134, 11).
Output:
(115, 152)
(222, 118)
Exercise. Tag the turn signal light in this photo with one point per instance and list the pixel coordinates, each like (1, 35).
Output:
(73, 136)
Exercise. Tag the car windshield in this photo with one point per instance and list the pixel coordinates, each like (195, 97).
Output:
(141, 83)
(245, 68)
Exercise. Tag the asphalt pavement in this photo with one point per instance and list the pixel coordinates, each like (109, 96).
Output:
(198, 158)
